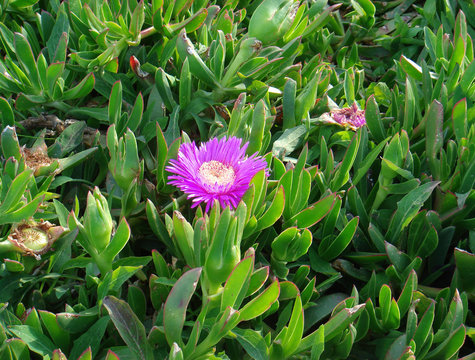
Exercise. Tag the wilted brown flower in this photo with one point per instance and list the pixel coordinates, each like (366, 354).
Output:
(38, 160)
(33, 239)
(350, 117)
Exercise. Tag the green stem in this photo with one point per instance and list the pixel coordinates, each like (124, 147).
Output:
(429, 291)
(103, 264)
(59, 106)
(246, 50)
(379, 198)
(147, 32)
(178, 201)
(6, 246)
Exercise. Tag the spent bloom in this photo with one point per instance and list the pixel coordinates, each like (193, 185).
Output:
(350, 116)
(216, 170)
(32, 238)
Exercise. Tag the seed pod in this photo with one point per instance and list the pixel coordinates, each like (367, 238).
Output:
(32, 238)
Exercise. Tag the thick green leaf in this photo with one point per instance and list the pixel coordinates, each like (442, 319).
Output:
(319, 343)
(252, 342)
(411, 68)
(424, 329)
(72, 161)
(405, 298)
(258, 278)
(90, 339)
(373, 119)
(129, 327)
(16, 191)
(288, 104)
(313, 214)
(185, 85)
(288, 141)
(273, 212)
(69, 139)
(136, 114)
(450, 346)
(120, 276)
(261, 303)
(294, 332)
(342, 174)
(176, 305)
(77, 322)
(118, 241)
(330, 248)
(26, 58)
(257, 128)
(58, 355)
(465, 262)
(80, 90)
(137, 301)
(36, 341)
(459, 119)
(86, 355)
(367, 162)
(60, 337)
(237, 284)
(408, 207)
(434, 136)
(6, 113)
(341, 320)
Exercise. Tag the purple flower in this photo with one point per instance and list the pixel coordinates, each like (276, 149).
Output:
(217, 170)
(350, 116)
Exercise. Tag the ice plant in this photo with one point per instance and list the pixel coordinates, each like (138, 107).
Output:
(216, 170)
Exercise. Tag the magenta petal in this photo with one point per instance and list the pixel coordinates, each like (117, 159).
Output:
(229, 152)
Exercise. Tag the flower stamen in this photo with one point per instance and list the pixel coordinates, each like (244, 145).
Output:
(216, 173)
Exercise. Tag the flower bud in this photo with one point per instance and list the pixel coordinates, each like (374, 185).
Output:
(224, 251)
(32, 238)
(124, 163)
(272, 19)
(98, 220)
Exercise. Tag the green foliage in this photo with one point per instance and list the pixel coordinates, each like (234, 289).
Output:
(357, 241)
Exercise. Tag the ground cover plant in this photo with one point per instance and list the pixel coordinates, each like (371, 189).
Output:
(237, 179)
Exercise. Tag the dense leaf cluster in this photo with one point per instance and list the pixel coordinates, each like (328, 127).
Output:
(357, 242)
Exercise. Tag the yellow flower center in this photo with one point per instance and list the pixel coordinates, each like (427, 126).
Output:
(35, 239)
(215, 172)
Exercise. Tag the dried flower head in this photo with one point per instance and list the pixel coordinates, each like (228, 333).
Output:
(351, 117)
(216, 170)
(38, 160)
(33, 239)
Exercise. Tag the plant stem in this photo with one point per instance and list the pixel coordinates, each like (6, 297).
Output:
(147, 32)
